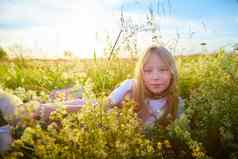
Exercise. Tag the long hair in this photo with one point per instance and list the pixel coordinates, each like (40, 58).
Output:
(140, 93)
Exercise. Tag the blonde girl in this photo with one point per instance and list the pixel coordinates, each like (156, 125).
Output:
(154, 88)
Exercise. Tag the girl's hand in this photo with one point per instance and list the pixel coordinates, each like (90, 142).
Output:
(46, 111)
(43, 112)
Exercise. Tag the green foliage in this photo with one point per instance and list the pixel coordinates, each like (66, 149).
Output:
(92, 133)
(215, 107)
(3, 53)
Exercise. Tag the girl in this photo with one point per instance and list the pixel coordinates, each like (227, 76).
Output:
(154, 88)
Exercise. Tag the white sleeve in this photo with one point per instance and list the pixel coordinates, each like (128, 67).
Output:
(181, 107)
(118, 94)
(5, 138)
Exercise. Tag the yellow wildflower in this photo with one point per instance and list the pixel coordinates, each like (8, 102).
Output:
(159, 145)
(61, 96)
(167, 144)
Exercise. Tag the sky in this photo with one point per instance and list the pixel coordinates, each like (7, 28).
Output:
(46, 28)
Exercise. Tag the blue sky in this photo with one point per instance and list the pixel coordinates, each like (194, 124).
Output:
(48, 27)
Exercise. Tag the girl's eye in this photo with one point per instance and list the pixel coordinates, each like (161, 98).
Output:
(163, 69)
(147, 70)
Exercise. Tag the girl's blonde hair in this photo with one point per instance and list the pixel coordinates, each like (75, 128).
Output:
(141, 94)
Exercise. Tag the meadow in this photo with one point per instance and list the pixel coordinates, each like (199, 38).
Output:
(207, 129)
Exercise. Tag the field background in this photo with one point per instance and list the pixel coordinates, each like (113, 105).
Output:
(208, 128)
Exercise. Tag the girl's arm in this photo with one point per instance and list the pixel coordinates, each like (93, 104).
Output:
(45, 110)
(118, 94)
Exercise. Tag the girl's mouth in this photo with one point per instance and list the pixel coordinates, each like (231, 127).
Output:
(156, 85)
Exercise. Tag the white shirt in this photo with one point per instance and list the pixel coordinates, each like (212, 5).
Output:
(156, 105)
(5, 138)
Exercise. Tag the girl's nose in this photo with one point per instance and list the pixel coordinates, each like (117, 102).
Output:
(156, 75)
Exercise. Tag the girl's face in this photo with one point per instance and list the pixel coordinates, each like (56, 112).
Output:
(156, 74)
